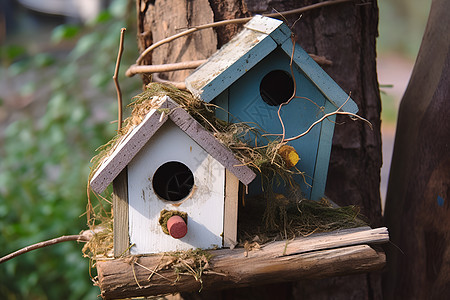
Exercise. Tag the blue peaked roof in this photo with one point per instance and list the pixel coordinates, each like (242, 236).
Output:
(260, 36)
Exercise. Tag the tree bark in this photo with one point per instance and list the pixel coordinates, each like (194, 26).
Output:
(345, 34)
(417, 202)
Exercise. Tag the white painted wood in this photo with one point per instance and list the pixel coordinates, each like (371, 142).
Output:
(277, 30)
(263, 24)
(205, 205)
(125, 151)
(317, 256)
(132, 143)
(231, 210)
(229, 64)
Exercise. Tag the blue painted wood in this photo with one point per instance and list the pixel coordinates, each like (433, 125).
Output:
(277, 30)
(222, 102)
(238, 69)
(323, 154)
(228, 64)
(321, 79)
(246, 104)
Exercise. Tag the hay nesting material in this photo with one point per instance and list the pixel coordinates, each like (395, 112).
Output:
(282, 216)
(245, 141)
(294, 217)
(191, 262)
(100, 246)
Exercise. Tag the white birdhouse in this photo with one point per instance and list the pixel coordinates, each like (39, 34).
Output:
(176, 185)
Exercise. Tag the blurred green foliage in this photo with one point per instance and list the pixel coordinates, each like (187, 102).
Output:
(401, 25)
(44, 161)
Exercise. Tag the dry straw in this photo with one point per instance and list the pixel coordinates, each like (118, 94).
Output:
(283, 216)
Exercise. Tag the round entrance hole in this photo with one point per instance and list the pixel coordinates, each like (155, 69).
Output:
(173, 181)
(276, 87)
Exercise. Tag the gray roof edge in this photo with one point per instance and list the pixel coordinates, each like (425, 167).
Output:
(209, 143)
(139, 136)
(128, 147)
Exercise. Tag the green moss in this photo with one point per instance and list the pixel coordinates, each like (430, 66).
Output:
(165, 216)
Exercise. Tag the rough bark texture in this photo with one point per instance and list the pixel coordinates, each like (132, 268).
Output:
(317, 256)
(417, 201)
(160, 19)
(345, 34)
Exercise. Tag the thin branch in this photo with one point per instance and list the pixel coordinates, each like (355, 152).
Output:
(178, 84)
(136, 69)
(293, 94)
(116, 80)
(146, 69)
(234, 21)
(66, 238)
(323, 118)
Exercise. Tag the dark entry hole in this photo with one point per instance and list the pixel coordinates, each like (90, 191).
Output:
(276, 87)
(173, 181)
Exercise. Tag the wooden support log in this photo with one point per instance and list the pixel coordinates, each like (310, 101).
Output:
(318, 256)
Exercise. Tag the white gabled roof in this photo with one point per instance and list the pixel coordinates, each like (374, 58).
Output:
(141, 134)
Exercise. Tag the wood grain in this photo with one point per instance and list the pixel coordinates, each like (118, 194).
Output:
(346, 34)
(208, 142)
(140, 135)
(231, 210)
(126, 150)
(120, 209)
(419, 179)
(343, 254)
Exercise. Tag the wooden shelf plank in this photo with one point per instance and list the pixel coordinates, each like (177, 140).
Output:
(318, 256)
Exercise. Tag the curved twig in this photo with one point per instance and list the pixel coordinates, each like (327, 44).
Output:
(66, 238)
(137, 69)
(116, 80)
(234, 21)
(323, 118)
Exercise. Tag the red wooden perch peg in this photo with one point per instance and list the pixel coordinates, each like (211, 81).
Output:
(177, 227)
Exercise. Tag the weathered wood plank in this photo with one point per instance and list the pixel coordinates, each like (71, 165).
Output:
(230, 210)
(120, 204)
(140, 135)
(301, 259)
(127, 149)
(208, 142)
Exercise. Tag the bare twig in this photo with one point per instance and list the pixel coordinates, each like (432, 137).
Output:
(337, 112)
(116, 80)
(234, 21)
(66, 238)
(136, 69)
(141, 69)
(293, 94)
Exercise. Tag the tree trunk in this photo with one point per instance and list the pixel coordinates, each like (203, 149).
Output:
(345, 34)
(417, 201)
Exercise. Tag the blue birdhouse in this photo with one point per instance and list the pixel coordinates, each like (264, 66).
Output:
(252, 75)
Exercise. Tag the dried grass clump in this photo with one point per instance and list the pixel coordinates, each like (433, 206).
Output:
(298, 217)
(272, 159)
(246, 142)
(101, 243)
(192, 263)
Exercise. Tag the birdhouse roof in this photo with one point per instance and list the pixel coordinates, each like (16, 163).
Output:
(133, 142)
(260, 36)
